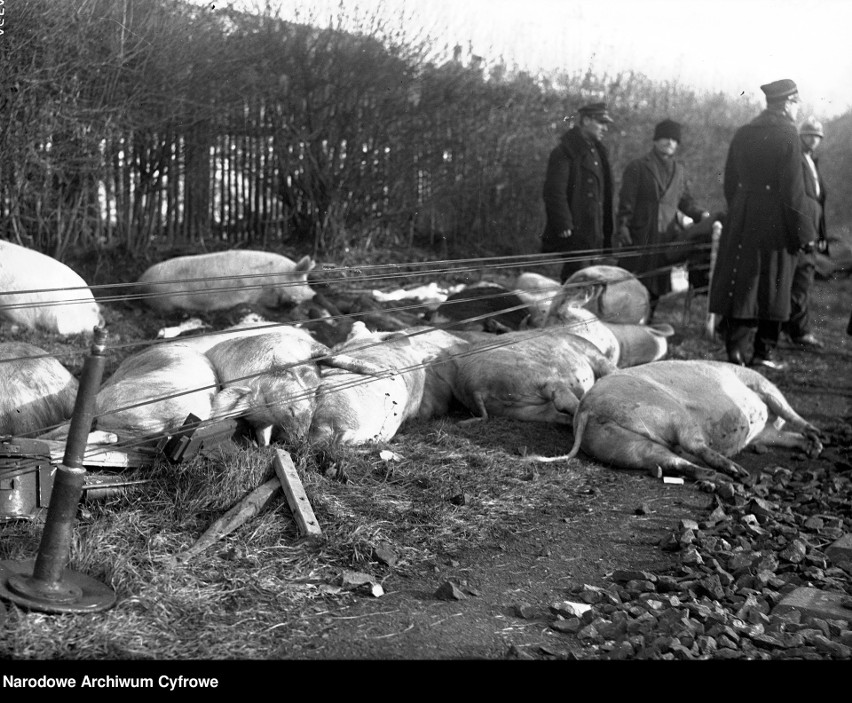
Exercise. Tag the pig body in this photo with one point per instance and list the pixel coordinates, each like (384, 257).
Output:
(148, 379)
(673, 414)
(278, 369)
(624, 299)
(63, 311)
(538, 292)
(623, 344)
(533, 375)
(354, 409)
(223, 280)
(434, 349)
(37, 391)
(485, 306)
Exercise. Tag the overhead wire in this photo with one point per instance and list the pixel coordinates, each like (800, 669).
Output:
(146, 441)
(397, 271)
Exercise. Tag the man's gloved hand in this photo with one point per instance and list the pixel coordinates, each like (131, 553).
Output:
(565, 233)
(622, 237)
(822, 246)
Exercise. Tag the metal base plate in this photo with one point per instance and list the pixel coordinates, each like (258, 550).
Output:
(94, 596)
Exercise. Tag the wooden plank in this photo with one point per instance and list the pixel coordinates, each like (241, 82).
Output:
(100, 456)
(238, 515)
(297, 499)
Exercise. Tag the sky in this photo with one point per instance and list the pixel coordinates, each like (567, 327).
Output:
(732, 46)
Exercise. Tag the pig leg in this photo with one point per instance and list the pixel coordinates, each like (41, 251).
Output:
(263, 435)
(359, 366)
(772, 436)
(482, 412)
(625, 449)
(809, 439)
(629, 449)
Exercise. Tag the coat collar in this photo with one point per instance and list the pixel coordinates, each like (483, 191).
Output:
(657, 170)
(770, 118)
(576, 143)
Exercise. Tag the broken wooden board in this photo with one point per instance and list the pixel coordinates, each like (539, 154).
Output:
(241, 513)
(297, 499)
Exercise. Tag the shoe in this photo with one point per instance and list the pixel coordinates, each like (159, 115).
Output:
(768, 363)
(808, 340)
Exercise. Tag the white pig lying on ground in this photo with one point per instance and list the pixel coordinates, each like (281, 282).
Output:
(354, 409)
(148, 378)
(36, 391)
(623, 344)
(23, 269)
(668, 415)
(226, 279)
(624, 298)
(280, 369)
(530, 375)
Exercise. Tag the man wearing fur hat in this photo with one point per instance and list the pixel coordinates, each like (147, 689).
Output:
(578, 192)
(798, 327)
(652, 202)
(770, 218)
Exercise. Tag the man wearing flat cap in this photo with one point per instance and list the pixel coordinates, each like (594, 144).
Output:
(770, 218)
(578, 192)
(652, 202)
(798, 327)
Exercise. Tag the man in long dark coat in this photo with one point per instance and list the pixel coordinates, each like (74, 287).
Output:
(578, 192)
(769, 219)
(798, 327)
(654, 194)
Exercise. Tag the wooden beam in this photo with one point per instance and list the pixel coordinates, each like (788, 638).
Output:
(297, 499)
(237, 516)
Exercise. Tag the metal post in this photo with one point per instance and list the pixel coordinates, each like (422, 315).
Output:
(46, 584)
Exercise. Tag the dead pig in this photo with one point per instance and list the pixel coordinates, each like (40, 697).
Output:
(669, 415)
(225, 279)
(38, 392)
(532, 375)
(355, 409)
(280, 370)
(70, 309)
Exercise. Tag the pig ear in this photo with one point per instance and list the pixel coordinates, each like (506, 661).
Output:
(306, 263)
(662, 329)
(232, 400)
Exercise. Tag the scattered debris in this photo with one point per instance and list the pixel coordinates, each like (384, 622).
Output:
(450, 590)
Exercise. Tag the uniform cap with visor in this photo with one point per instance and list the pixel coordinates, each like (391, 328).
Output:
(596, 111)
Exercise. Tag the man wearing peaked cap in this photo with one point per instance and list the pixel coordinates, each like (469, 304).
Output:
(597, 111)
(779, 91)
(653, 199)
(578, 192)
(770, 218)
(798, 327)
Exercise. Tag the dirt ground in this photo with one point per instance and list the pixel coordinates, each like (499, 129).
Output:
(582, 536)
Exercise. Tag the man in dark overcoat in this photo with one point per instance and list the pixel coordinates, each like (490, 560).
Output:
(652, 201)
(798, 327)
(578, 192)
(769, 219)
